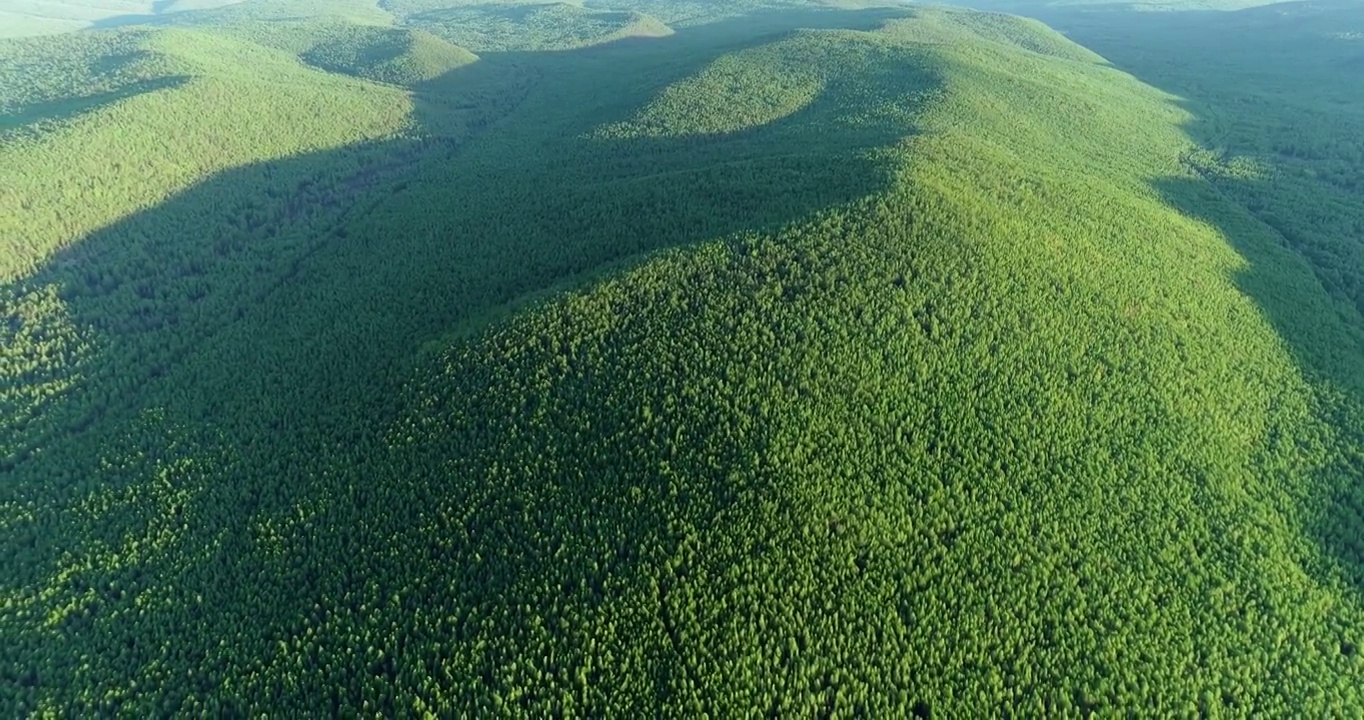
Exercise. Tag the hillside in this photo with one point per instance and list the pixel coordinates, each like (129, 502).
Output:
(1296, 161)
(595, 360)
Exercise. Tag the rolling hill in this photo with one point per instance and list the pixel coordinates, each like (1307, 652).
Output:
(596, 360)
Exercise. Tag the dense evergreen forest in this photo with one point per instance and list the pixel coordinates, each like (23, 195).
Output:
(651, 358)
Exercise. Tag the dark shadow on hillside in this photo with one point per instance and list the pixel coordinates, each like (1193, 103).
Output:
(255, 334)
(1265, 83)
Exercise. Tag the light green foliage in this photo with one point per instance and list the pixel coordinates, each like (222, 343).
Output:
(830, 363)
(1276, 111)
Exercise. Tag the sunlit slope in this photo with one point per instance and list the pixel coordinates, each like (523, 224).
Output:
(893, 386)
(1007, 436)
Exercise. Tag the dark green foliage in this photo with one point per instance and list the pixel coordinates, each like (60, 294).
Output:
(823, 363)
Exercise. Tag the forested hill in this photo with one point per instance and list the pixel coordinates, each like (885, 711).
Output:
(676, 359)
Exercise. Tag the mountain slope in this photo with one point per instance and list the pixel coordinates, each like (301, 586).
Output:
(111, 124)
(931, 446)
(752, 369)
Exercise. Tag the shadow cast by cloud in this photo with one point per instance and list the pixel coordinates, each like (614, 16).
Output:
(210, 476)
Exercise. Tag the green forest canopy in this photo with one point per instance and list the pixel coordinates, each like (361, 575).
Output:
(648, 358)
